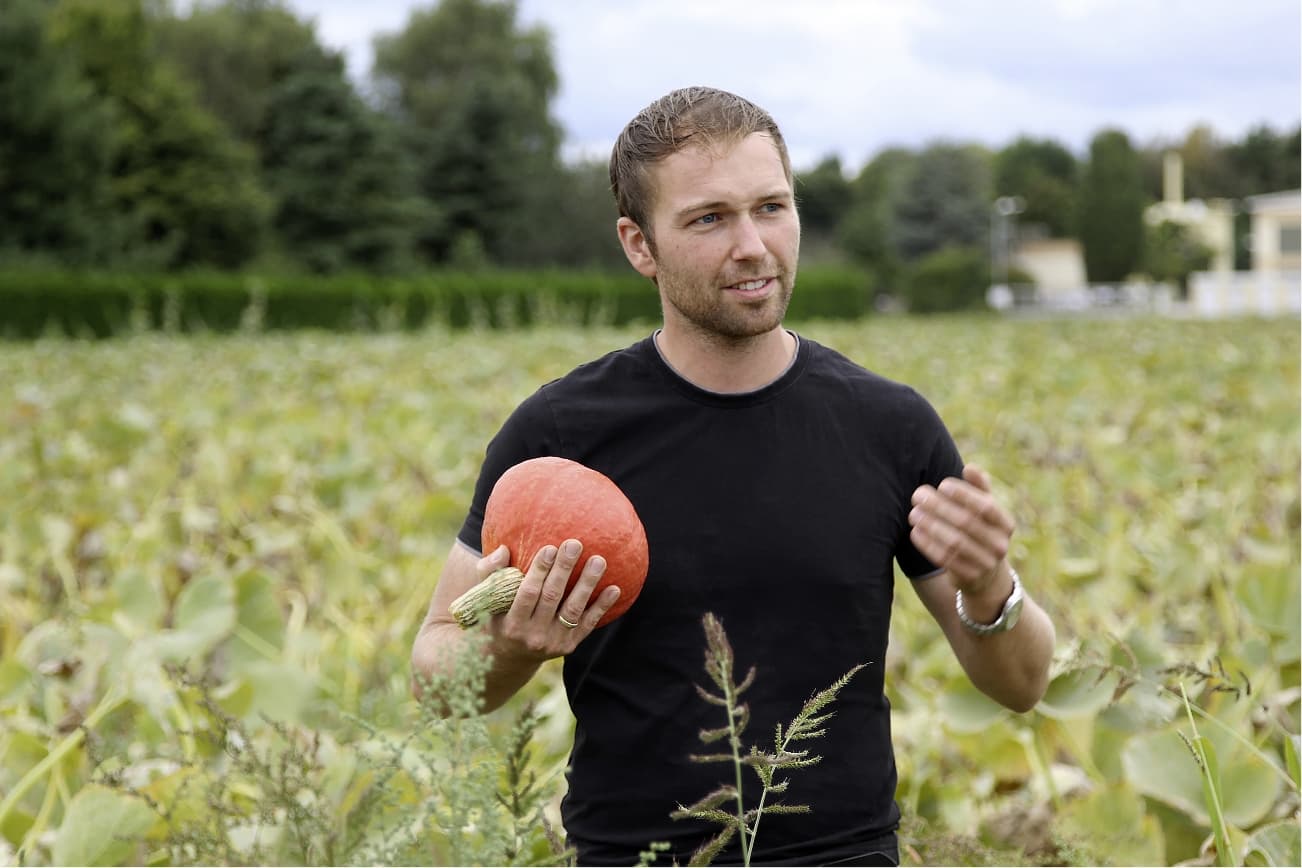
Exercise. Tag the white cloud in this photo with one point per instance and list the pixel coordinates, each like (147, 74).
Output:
(853, 76)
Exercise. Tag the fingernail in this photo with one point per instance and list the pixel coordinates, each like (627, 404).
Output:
(571, 548)
(597, 565)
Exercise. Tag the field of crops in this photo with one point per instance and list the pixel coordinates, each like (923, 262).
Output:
(214, 552)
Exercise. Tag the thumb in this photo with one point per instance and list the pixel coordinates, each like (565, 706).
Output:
(499, 557)
(974, 474)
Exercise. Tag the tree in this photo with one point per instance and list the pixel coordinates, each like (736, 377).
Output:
(472, 92)
(1043, 174)
(185, 188)
(866, 229)
(1171, 253)
(824, 196)
(56, 146)
(1111, 202)
(342, 185)
(946, 202)
(1266, 161)
(235, 53)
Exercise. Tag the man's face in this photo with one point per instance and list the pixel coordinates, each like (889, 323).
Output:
(727, 238)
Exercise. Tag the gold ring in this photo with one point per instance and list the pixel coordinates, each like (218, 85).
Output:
(561, 618)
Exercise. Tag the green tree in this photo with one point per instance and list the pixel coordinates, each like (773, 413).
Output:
(1043, 174)
(946, 201)
(342, 185)
(186, 189)
(824, 196)
(866, 230)
(236, 53)
(1111, 201)
(1266, 161)
(472, 92)
(56, 147)
(1171, 253)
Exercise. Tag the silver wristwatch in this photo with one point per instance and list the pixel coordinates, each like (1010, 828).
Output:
(1007, 617)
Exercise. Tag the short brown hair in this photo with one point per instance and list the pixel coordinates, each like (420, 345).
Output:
(689, 116)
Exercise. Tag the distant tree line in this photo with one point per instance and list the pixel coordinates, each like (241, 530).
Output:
(134, 135)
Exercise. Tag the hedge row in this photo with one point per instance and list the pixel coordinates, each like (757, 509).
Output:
(103, 304)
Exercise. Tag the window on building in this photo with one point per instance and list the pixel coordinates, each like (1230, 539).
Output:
(1290, 239)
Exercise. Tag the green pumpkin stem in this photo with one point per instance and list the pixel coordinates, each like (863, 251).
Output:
(493, 595)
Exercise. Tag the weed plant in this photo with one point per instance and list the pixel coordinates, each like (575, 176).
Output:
(808, 724)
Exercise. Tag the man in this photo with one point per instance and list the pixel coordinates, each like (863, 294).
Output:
(778, 483)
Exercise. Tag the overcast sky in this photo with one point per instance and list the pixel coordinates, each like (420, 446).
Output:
(851, 77)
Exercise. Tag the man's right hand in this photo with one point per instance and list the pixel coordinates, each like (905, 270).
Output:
(545, 622)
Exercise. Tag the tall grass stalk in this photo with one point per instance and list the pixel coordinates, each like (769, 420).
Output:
(808, 724)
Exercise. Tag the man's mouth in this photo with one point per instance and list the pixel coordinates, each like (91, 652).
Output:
(750, 285)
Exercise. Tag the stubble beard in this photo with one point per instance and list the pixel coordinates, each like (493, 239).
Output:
(708, 312)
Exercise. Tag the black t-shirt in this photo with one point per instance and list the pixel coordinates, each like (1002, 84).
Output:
(781, 511)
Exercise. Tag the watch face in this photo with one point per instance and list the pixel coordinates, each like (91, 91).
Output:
(1011, 613)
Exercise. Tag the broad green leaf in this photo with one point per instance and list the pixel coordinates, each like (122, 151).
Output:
(966, 709)
(205, 615)
(1118, 816)
(1158, 764)
(279, 691)
(1078, 693)
(260, 625)
(1291, 742)
(1272, 598)
(139, 600)
(100, 827)
(1277, 844)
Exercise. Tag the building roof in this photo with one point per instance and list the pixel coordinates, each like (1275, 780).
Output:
(1285, 201)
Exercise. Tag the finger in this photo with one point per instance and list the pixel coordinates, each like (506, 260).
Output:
(558, 577)
(980, 503)
(494, 560)
(576, 602)
(526, 597)
(954, 552)
(594, 613)
(955, 518)
(976, 475)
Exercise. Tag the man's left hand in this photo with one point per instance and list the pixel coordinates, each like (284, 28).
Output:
(960, 527)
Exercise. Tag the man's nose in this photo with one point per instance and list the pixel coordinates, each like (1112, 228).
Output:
(747, 243)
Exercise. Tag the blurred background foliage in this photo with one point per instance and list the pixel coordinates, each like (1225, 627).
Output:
(146, 134)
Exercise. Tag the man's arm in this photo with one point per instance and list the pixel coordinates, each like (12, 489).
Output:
(959, 527)
(523, 637)
(1011, 668)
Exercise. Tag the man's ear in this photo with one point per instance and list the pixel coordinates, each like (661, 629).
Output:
(637, 247)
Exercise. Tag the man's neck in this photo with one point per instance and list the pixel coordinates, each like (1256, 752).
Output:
(727, 365)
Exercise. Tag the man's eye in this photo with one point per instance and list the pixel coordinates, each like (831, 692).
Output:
(771, 207)
(707, 219)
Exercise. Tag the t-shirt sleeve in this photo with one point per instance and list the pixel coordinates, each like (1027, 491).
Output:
(934, 458)
(529, 432)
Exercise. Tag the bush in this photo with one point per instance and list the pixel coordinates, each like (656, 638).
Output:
(100, 304)
(952, 279)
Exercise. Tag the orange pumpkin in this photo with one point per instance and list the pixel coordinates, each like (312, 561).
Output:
(545, 501)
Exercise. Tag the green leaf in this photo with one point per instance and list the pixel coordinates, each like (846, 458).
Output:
(1276, 843)
(100, 827)
(1078, 693)
(205, 615)
(966, 709)
(140, 601)
(1119, 816)
(1158, 764)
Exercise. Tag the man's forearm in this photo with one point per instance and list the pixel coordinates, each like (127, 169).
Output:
(1011, 668)
(434, 656)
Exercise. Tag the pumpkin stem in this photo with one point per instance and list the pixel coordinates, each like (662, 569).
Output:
(493, 595)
